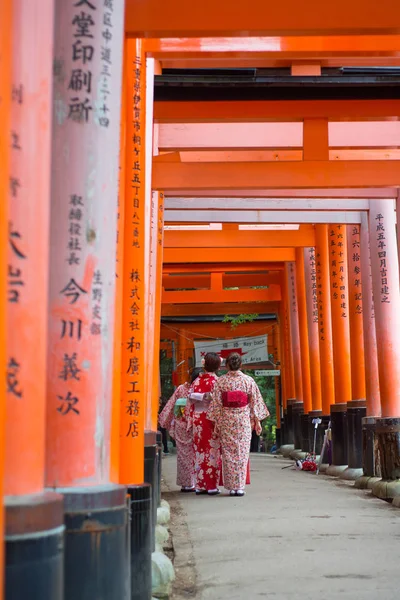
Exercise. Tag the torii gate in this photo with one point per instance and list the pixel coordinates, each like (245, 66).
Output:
(95, 433)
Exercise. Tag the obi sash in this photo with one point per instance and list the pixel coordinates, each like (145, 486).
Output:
(235, 399)
(201, 401)
(179, 407)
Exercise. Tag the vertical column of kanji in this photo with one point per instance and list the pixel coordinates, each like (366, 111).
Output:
(87, 96)
(182, 357)
(324, 318)
(5, 88)
(356, 408)
(296, 407)
(30, 511)
(385, 281)
(368, 312)
(315, 415)
(370, 458)
(356, 312)
(133, 317)
(341, 345)
(312, 320)
(303, 328)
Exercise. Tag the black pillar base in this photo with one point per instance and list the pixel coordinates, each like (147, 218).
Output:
(151, 475)
(34, 547)
(141, 541)
(96, 551)
(159, 465)
(356, 411)
(339, 439)
(306, 444)
(289, 421)
(370, 455)
(387, 431)
(298, 411)
(278, 437)
(284, 436)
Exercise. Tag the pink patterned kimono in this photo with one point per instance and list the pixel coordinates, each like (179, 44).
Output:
(178, 428)
(205, 442)
(234, 425)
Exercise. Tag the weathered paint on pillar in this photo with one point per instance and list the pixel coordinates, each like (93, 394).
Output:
(133, 383)
(5, 96)
(370, 347)
(119, 274)
(87, 93)
(337, 240)
(312, 320)
(159, 200)
(286, 342)
(303, 328)
(28, 246)
(385, 281)
(356, 312)
(290, 268)
(324, 318)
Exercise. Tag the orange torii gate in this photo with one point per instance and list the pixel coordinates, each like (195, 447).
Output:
(318, 162)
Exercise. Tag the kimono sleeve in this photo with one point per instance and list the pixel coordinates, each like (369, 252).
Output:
(257, 404)
(214, 412)
(167, 414)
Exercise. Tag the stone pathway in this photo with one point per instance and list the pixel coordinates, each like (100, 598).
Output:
(294, 536)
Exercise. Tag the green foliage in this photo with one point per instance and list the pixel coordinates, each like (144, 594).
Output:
(239, 319)
(167, 388)
(267, 389)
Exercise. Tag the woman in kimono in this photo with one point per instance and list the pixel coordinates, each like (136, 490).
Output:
(237, 408)
(205, 441)
(173, 418)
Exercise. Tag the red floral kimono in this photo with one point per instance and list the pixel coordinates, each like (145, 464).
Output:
(178, 428)
(207, 461)
(234, 424)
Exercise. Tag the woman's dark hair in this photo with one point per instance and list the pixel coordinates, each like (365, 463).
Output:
(234, 361)
(195, 373)
(212, 362)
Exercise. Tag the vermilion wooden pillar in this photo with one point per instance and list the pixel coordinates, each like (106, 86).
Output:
(371, 467)
(30, 511)
(337, 240)
(85, 159)
(182, 356)
(303, 327)
(385, 281)
(324, 326)
(356, 408)
(356, 312)
(133, 405)
(370, 345)
(286, 343)
(294, 328)
(312, 320)
(5, 96)
(296, 406)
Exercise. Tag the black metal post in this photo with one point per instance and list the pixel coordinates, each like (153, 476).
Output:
(34, 547)
(141, 541)
(96, 521)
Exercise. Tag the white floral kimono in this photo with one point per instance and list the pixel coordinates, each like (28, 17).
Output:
(234, 425)
(178, 429)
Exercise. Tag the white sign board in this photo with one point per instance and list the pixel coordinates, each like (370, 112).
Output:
(252, 349)
(267, 373)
